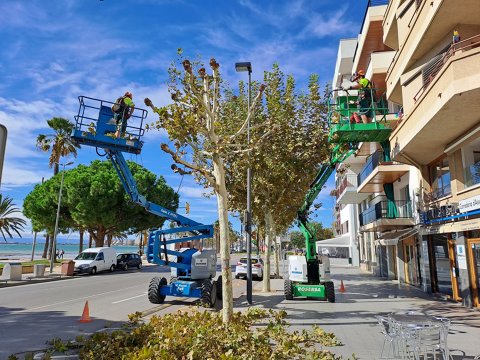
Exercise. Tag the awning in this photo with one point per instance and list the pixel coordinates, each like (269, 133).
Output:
(393, 237)
(341, 241)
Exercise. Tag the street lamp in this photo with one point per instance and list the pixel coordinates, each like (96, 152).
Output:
(239, 67)
(54, 244)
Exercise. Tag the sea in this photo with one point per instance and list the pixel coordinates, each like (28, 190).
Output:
(21, 248)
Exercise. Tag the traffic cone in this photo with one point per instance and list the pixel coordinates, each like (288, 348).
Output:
(342, 287)
(86, 314)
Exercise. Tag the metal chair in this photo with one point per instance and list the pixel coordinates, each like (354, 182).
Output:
(389, 334)
(423, 341)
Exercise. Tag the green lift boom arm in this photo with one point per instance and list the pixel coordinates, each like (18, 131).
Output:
(338, 156)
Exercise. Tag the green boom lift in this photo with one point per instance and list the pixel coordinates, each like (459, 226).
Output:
(304, 271)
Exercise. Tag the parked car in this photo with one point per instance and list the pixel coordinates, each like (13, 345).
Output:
(93, 260)
(257, 268)
(126, 261)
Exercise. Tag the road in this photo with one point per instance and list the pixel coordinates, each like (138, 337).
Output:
(32, 314)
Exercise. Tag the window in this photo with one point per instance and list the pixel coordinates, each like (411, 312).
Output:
(471, 163)
(440, 178)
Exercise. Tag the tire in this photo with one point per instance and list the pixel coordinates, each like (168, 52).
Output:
(112, 268)
(93, 271)
(219, 287)
(237, 276)
(154, 290)
(139, 266)
(330, 291)
(287, 287)
(125, 267)
(206, 298)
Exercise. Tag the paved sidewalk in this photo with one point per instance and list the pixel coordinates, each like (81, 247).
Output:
(352, 316)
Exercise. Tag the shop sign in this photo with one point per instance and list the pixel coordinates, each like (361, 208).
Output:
(461, 257)
(472, 203)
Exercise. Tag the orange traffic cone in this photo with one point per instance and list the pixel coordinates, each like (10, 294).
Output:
(86, 314)
(342, 287)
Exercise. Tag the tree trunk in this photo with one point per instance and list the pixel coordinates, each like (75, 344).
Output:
(277, 260)
(90, 236)
(45, 247)
(109, 240)
(268, 244)
(221, 192)
(80, 247)
(99, 237)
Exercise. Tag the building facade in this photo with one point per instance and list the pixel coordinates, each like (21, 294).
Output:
(417, 197)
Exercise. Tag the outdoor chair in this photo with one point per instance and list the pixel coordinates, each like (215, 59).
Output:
(424, 342)
(390, 336)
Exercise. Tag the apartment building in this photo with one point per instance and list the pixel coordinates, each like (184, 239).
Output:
(417, 196)
(436, 78)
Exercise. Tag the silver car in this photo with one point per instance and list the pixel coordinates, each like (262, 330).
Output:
(257, 268)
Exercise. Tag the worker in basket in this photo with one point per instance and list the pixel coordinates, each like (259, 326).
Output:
(365, 96)
(122, 110)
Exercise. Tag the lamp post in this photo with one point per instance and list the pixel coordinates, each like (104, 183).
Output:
(54, 245)
(247, 66)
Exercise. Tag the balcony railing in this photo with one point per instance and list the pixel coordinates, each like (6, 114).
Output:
(370, 165)
(430, 70)
(381, 210)
(349, 180)
(472, 174)
(438, 194)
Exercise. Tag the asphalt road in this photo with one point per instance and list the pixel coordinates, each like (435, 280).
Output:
(31, 315)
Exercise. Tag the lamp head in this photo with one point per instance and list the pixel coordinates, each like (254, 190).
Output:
(243, 66)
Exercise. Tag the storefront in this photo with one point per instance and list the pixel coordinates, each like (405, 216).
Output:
(473, 253)
(453, 266)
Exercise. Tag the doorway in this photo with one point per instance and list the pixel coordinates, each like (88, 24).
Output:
(410, 261)
(473, 246)
(443, 261)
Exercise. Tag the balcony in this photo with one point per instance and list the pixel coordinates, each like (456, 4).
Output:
(371, 36)
(347, 191)
(384, 216)
(377, 172)
(425, 25)
(441, 107)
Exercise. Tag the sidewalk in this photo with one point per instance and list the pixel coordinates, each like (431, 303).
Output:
(352, 317)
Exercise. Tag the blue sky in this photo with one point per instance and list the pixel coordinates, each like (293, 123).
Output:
(55, 50)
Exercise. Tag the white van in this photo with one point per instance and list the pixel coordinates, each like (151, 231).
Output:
(97, 259)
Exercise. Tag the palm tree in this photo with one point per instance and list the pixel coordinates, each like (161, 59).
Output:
(61, 145)
(9, 223)
(60, 142)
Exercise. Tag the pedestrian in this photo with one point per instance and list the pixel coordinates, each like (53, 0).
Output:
(456, 37)
(122, 110)
(57, 254)
(62, 252)
(365, 96)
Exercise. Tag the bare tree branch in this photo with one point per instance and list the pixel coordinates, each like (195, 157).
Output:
(179, 160)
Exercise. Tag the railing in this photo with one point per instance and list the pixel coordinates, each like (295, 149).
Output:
(342, 107)
(370, 165)
(381, 211)
(430, 70)
(437, 194)
(349, 180)
(472, 174)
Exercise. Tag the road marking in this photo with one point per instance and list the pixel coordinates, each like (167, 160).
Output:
(130, 298)
(70, 301)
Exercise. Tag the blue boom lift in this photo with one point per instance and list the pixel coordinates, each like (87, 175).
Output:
(193, 271)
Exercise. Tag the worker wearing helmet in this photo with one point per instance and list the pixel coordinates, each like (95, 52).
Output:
(365, 96)
(122, 110)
